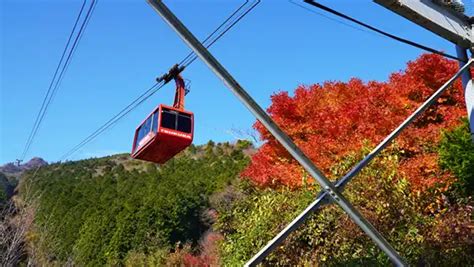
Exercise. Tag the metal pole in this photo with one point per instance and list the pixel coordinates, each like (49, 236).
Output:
(265, 119)
(468, 89)
(340, 184)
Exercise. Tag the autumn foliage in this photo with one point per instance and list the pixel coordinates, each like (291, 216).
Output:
(337, 119)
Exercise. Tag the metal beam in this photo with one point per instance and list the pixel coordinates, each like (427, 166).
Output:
(272, 127)
(435, 18)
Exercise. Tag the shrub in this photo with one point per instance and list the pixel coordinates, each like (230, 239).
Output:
(329, 237)
(456, 152)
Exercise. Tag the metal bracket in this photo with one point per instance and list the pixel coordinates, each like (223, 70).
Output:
(325, 200)
(173, 72)
(438, 19)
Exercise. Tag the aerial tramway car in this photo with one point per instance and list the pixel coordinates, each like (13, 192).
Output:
(167, 130)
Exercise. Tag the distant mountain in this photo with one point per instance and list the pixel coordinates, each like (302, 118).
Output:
(11, 170)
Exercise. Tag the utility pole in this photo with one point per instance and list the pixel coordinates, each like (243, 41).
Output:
(272, 127)
(447, 23)
(18, 161)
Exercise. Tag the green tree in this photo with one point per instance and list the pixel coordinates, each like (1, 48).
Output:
(456, 152)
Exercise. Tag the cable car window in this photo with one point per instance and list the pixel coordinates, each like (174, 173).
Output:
(168, 119)
(155, 121)
(138, 138)
(184, 123)
(143, 131)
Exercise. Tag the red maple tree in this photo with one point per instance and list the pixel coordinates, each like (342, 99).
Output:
(332, 120)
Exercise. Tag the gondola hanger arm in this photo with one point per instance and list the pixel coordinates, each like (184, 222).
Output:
(174, 73)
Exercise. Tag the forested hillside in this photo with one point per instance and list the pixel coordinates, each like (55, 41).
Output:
(113, 210)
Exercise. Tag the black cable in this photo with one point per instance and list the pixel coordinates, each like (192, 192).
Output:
(51, 90)
(47, 96)
(76, 43)
(227, 29)
(157, 86)
(312, 10)
(135, 103)
(217, 29)
(73, 50)
(68, 60)
(417, 45)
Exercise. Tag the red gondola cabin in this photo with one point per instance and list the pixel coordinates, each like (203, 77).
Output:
(166, 131)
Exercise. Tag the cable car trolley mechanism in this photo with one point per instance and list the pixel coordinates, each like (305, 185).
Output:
(167, 130)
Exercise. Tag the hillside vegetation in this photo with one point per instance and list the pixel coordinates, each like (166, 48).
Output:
(102, 211)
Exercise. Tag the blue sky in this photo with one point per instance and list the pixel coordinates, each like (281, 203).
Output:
(276, 47)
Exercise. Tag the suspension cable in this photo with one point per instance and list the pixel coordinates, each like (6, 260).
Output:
(216, 30)
(59, 73)
(389, 35)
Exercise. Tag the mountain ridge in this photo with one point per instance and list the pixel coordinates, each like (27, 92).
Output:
(11, 169)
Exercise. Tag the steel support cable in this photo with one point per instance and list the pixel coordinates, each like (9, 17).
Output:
(65, 67)
(46, 97)
(215, 31)
(339, 21)
(75, 45)
(157, 86)
(402, 40)
(57, 78)
(226, 30)
(69, 58)
(135, 103)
